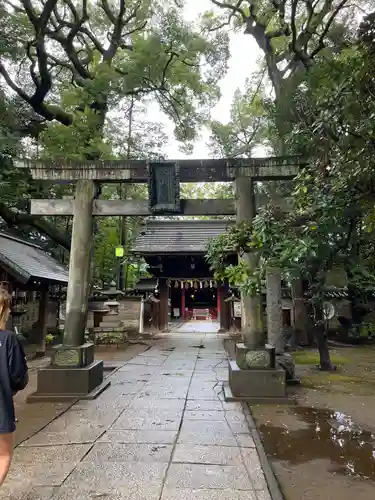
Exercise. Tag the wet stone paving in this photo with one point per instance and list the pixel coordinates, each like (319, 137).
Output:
(162, 430)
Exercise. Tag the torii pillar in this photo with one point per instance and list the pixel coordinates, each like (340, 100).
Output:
(79, 264)
(253, 376)
(251, 306)
(74, 373)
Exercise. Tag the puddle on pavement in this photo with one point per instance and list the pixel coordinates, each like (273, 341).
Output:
(325, 435)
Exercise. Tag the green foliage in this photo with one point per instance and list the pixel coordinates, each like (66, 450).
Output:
(207, 190)
(237, 239)
(293, 37)
(331, 215)
(81, 140)
(106, 240)
(49, 338)
(289, 27)
(337, 132)
(248, 125)
(60, 65)
(139, 138)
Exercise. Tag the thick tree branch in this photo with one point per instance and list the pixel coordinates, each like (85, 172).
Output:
(234, 8)
(116, 38)
(60, 23)
(49, 112)
(295, 44)
(313, 23)
(42, 80)
(321, 42)
(172, 55)
(13, 218)
(119, 23)
(33, 74)
(108, 12)
(11, 84)
(46, 14)
(30, 12)
(67, 41)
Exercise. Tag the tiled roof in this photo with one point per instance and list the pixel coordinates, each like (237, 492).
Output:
(146, 285)
(25, 261)
(178, 236)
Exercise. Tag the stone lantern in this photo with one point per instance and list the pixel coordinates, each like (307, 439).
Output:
(112, 294)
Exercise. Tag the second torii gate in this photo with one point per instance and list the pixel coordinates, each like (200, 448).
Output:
(73, 372)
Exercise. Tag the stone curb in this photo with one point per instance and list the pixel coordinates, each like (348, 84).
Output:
(272, 482)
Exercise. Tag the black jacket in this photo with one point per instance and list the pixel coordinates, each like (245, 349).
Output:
(13, 378)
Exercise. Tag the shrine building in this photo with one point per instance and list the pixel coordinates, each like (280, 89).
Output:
(175, 251)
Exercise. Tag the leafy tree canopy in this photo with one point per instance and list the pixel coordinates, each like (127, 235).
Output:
(68, 70)
(293, 36)
(71, 61)
(248, 125)
(331, 216)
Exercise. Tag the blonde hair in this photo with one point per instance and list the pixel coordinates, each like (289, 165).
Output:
(5, 304)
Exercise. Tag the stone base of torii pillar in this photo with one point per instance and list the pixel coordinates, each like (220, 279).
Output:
(73, 374)
(254, 377)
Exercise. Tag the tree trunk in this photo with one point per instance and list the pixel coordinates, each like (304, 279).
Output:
(322, 339)
(357, 313)
(299, 313)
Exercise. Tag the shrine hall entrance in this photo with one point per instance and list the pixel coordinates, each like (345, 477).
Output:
(175, 252)
(194, 301)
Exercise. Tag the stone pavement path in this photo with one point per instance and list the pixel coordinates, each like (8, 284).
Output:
(195, 327)
(33, 417)
(161, 431)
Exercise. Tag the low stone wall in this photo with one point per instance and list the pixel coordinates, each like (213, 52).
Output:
(129, 314)
(116, 328)
(105, 336)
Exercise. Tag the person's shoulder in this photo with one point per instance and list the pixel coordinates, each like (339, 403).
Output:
(8, 337)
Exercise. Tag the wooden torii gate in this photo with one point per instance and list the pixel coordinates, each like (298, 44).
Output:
(73, 372)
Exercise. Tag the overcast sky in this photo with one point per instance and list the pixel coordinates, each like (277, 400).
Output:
(244, 53)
